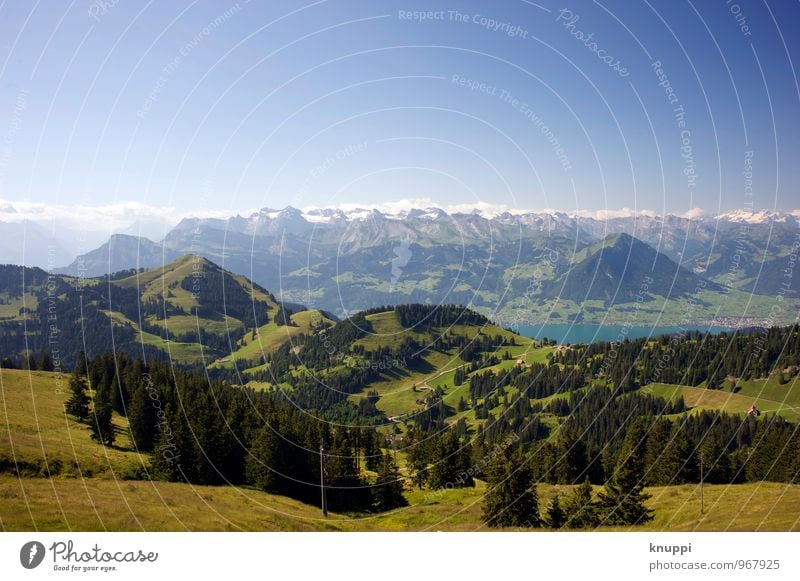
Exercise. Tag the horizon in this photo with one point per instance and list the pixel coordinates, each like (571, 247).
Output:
(129, 212)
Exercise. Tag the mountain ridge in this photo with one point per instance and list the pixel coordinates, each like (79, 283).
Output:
(347, 260)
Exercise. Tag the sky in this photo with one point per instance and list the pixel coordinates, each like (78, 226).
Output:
(162, 109)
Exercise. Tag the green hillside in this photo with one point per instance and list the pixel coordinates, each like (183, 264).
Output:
(189, 310)
(767, 395)
(90, 505)
(96, 488)
(36, 435)
(267, 338)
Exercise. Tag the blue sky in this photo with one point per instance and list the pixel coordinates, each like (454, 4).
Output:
(217, 106)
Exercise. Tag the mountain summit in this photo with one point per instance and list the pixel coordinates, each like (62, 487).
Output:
(623, 269)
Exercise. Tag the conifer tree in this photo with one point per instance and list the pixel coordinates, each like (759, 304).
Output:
(452, 463)
(174, 453)
(142, 419)
(78, 403)
(371, 448)
(571, 457)
(511, 499)
(265, 463)
(418, 464)
(101, 425)
(623, 498)
(387, 494)
(45, 362)
(714, 459)
(346, 489)
(555, 517)
(81, 366)
(580, 509)
(666, 454)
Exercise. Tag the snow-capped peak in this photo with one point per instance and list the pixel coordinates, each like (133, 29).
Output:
(758, 217)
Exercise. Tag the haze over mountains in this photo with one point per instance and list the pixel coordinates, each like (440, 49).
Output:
(519, 266)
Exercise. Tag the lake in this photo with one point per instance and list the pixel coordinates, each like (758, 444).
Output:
(583, 333)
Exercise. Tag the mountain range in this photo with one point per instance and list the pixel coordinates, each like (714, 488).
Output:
(519, 267)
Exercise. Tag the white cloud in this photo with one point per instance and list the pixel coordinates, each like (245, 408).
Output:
(693, 214)
(94, 218)
(108, 218)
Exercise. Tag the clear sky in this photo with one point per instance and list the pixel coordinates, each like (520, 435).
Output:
(219, 106)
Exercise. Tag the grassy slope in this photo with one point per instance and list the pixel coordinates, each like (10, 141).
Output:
(767, 395)
(9, 308)
(165, 281)
(35, 430)
(271, 336)
(34, 427)
(437, 369)
(28, 504)
(179, 351)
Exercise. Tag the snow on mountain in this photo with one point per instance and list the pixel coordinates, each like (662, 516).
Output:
(759, 217)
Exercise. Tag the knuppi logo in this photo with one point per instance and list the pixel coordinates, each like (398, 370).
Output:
(31, 554)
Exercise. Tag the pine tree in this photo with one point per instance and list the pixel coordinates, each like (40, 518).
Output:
(102, 426)
(452, 463)
(580, 510)
(511, 499)
(371, 448)
(142, 419)
(572, 458)
(346, 489)
(81, 366)
(175, 456)
(266, 463)
(418, 464)
(45, 362)
(387, 493)
(555, 517)
(666, 455)
(623, 498)
(78, 403)
(715, 462)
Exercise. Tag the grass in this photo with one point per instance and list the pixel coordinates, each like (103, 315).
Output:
(184, 352)
(437, 368)
(98, 505)
(164, 281)
(181, 324)
(36, 434)
(771, 389)
(270, 337)
(88, 505)
(700, 398)
(179, 351)
(9, 308)
(396, 389)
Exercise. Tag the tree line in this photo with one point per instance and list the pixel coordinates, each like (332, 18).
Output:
(214, 433)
